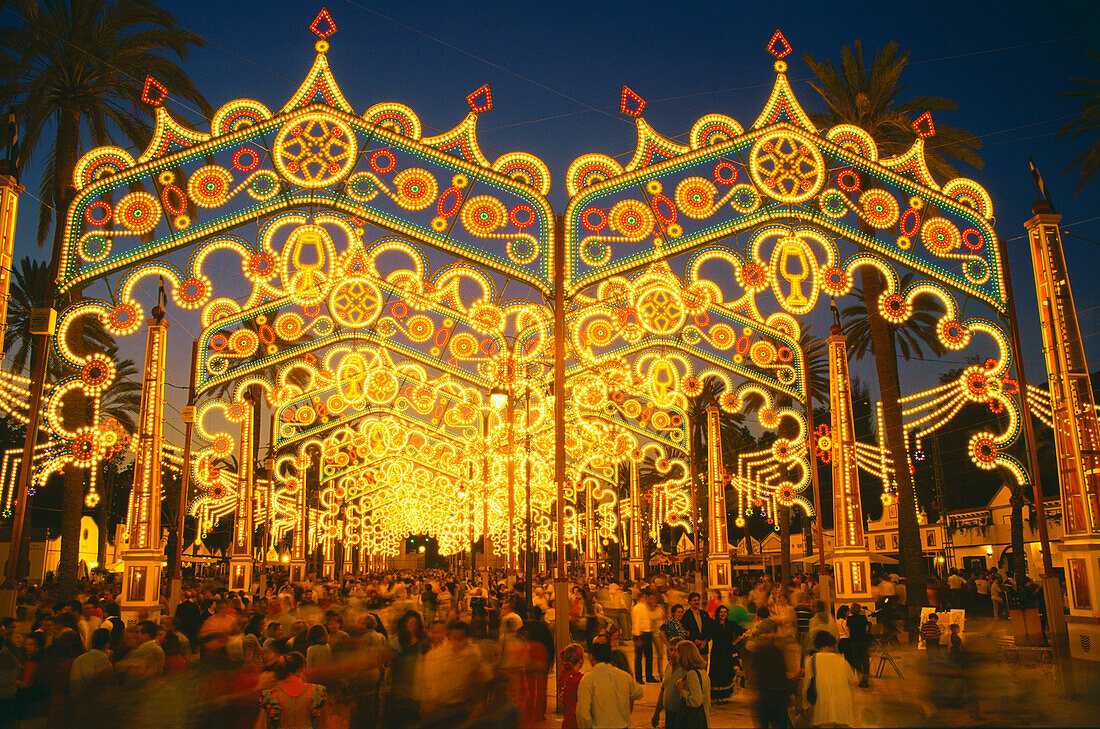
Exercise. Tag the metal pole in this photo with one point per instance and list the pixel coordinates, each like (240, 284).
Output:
(1052, 586)
(561, 584)
(189, 424)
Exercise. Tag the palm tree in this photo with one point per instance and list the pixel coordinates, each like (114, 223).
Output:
(29, 290)
(74, 72)
(1089, 121)
(868, 98)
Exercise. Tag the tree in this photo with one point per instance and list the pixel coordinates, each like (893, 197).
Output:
(1088, 122)
(74, 73)
(868, 98)
(30, 290)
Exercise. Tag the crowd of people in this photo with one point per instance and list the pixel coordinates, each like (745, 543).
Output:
(430, 649)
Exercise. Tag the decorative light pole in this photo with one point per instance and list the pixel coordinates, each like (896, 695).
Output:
(143, 553)
(718, 560)
(240, 551)
(1076, 430)
(852, 561)
(637, 535)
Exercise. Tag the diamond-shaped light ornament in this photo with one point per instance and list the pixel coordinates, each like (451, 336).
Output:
(154, 92)
(481, 100)
(778, 45)
(323, 26)
(923, 126)
(630, 103)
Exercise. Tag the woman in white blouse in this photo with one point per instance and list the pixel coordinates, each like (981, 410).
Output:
(832, 678)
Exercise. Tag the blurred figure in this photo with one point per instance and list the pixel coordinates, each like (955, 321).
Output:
(668, 700)
(572, 658)
(540, 652)
(769, 676)
(859, 644)
(408, 646)
(32, 697)
(450, 677)
(642, 627)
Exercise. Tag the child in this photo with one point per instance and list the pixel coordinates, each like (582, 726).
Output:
(931, 632)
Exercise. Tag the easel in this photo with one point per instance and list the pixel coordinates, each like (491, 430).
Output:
(885, 658)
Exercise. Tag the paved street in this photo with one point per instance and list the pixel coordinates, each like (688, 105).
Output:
(998, 695)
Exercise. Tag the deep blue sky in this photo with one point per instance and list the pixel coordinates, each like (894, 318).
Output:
(556, 70)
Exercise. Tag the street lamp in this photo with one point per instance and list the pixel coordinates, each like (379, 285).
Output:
(498, 397)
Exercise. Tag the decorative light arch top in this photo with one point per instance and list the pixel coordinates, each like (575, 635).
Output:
(671, 198)
(317, 152)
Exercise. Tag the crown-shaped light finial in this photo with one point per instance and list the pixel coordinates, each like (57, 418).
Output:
(630, 103)
(154, 92)
(481, 100)
(923, 126)
(322, 26)
(779, 47)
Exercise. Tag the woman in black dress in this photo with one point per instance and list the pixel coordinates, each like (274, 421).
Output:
(724, 661)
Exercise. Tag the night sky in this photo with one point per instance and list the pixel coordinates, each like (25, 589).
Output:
(556, 70)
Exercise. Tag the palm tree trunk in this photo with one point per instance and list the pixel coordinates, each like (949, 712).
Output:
(75, 408)
(784, 517)
(1016, 527)
(886, 366)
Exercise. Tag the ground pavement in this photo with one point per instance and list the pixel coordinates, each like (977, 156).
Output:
(989, 693)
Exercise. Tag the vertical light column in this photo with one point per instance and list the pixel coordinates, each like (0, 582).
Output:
(1076, 432)
(143, 553)
(9, 201)
(240, 552)
(852, 561)
(718, 559)
(301, 530)
(589, 530)
(637, 526)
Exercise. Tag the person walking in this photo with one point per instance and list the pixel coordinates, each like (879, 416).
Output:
(572, 658)
(769, 675)
(859, 644)
(668, 699)
(827, 681)
(641, 626)
(606, 695)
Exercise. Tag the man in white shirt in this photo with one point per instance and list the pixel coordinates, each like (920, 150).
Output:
(642, 628)
(606, 695)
